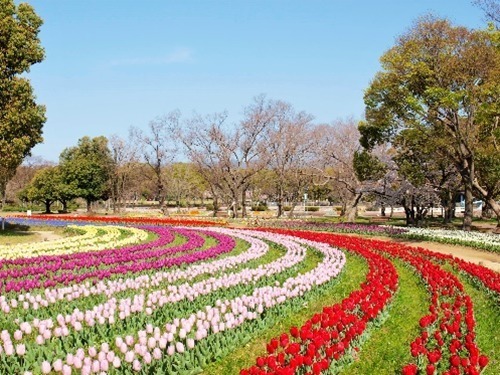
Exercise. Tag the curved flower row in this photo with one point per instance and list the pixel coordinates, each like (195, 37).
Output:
(183, 334)
(125, 220)
(157, 259)
(335, 227)
(89, 241)
(80, 258)
(489, 278)
(329, 335)
(486, 241)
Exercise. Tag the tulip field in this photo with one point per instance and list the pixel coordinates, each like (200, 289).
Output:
(173, 296)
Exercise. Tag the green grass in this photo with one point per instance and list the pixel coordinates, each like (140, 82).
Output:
(353, 275)
(487, 314)
(388, 348)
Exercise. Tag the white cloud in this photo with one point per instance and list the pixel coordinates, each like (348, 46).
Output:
(178, 56)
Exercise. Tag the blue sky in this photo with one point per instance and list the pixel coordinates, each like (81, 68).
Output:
(112, 64)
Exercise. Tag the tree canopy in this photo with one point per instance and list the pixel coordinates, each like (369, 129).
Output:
(440, 84)
(21, 119)
(86, 169)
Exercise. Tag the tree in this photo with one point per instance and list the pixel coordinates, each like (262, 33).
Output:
(491, 9)
(44, 187)
(123, 154)
(229, 159)
(23, 176)
(342, 163)
(185, 183)
(158, 149)
(21, 119)
(290, 146)
(86, 169)
(417, 164)
(443, 83)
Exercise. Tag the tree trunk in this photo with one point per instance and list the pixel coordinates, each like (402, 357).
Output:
(448, 203)
(292, 209)
(279, 201)
(352, 208)
(487, 199)
(410, 216)
(47, 207)
(3, 195)
(382, 209)
(234, 206)
(486, 211)
(243, 203)
(468, 212)
(89, 205)
(215, 203)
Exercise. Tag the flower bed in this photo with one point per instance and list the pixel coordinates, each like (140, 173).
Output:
(193, 294)
(120, 305)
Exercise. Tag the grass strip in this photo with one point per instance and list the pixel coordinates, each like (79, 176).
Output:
(388, 348)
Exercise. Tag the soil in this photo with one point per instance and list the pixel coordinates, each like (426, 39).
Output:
(43, 235)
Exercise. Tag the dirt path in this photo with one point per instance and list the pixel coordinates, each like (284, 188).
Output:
(47, 235)
(469, 254)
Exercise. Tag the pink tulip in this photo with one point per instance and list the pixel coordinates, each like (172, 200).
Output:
(20, 349)
(116, 362)
(129, 356)
(46, 367)
(157, 353)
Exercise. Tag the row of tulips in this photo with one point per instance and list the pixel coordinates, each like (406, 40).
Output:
(327, 336)
(225, 314)
(112, 220)
(488, 279)
(92, 239)
(485, 241)
(109, 311)
(446, 344)
(335, 227)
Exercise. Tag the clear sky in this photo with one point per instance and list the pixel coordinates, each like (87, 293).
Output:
(111, 64)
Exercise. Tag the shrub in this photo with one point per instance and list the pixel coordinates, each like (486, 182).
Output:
(312, 208)
(259, 208)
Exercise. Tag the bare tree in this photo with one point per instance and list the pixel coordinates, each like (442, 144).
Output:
(290, 147)
(491, 9)
(24, 174)
(124, 155)
(158, 149)
(335, 164)
(229, 158)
